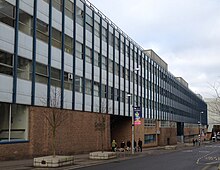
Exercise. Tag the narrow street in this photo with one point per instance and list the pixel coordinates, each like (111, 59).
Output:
(205, 157)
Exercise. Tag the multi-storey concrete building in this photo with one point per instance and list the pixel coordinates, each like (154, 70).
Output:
(76, 53)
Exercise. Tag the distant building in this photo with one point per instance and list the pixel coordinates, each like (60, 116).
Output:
(93, 67)
(213, 110)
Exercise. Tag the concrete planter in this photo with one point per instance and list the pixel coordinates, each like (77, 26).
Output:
(50, 161)
(170, 147)
(102, 155)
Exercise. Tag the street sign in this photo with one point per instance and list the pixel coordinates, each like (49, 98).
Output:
(137, 115)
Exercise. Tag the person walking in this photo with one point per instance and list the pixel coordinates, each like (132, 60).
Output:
(114, 145)
(135, 145)
(128, 145)
(139, 145)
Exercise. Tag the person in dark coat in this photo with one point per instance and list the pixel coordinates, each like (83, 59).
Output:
(135, 145)
(139, 145)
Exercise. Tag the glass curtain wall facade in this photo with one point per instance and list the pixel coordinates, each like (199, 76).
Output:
(72, 46)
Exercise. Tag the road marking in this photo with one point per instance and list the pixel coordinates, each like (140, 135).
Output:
(188, 151)
(204, 151)
(211, 146)
(197, 162)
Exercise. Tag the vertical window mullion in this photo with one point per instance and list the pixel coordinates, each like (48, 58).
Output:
(15, 62)
(84, 58)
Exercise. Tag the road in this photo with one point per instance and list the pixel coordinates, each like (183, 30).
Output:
(205, 157)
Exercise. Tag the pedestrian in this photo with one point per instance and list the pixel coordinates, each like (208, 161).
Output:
(114, 145)
(128, 145)
(135, 145)
(122, 149)
(139, 145)
(194, 142)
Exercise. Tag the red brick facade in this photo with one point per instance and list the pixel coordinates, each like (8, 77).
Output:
(77, 134)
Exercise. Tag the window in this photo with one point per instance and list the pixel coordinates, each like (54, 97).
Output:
(97, 59)
(57, 4)
(104, 34)
(96, 89)
(149, 123)
(127, 74)
(68, 78)
(41, 73)
(104, 91)
(56, 38)
(25, 22)
(42, 31)
(88, 86)
(149, 138)
(69, 8)
(79, 50)
(78, 84)
(165, 123)
(122, 72)
(79, 16)
(111, 39)
(89, 23)
(68, 44)
(116, 69)
(88, 55)
(97, 29)
(110, 69)
(14, 124)
(122, 48)
(117, 43)
(104, 63)
(7, 14)
(55, 76)
(117, 94)
(6, 63)
(122, 96)
(24, 68)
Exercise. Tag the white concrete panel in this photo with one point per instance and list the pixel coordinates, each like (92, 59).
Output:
(87, 103)
(41, 94)
(42, 52)
(56, 58)
(6, 88)
(25, 45)
(68, 26)
(67, 99)
(78, 103)
(27, 5)
(88, 39)
(68, 60)
(24, 91)
(79, 33)
(6, 37)
(116, 82)
(79, 67)
(96, 104)
(88, 71)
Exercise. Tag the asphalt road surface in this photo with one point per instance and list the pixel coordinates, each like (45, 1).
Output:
(205, 157)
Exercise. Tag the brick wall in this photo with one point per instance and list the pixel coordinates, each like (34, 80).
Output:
(167, 136)
(76, 134)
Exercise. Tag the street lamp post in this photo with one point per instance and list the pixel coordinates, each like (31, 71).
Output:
(200, 132)
(132, 127)
(132, 118)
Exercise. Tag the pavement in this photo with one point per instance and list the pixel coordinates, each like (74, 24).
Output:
(82, 160)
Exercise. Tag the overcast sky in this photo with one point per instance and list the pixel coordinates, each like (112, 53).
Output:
(184, 33)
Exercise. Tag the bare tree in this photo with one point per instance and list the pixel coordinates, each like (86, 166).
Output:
(100, 123)
(55, 117)
(214, 103)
